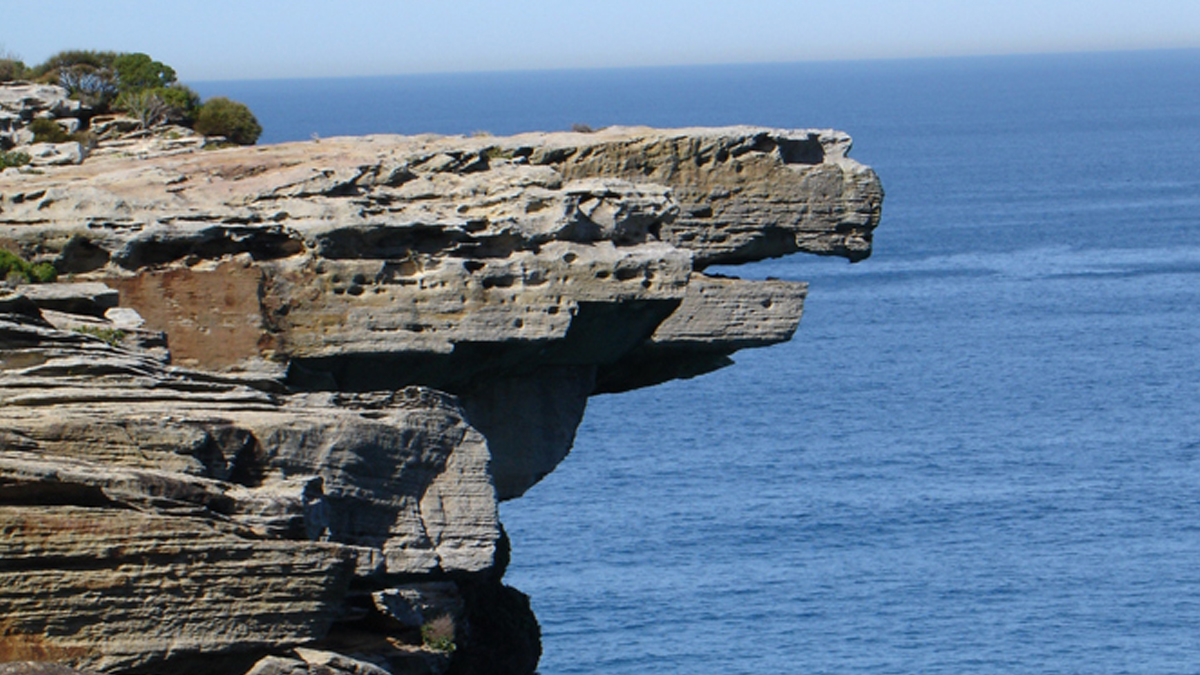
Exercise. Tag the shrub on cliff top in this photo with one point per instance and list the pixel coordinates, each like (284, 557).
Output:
(12, 69)
(134, 83)
(175, 104)
(182, 103)
(144, 106)
(94, 87)
(99, 78)
(70, 58)
(220, 116)
(138, 71)
(11, 66)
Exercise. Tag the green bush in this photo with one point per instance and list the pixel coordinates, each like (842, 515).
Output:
(98, 78)
(13, 267)
(222, 117)
(8, 159)
(48, 131)
(182, 103)
(138, 71)
(43, 273)
(72, 58)
(12, 69)
(87, 74)
(113, 336)
(136, 84)
(175, 104)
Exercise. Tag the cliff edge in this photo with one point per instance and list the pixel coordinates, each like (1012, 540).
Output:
(264, 423)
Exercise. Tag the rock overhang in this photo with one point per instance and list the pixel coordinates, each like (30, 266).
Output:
(411, 245)
(315, 297)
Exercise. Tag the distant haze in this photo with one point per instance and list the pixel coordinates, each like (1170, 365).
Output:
(251, 39)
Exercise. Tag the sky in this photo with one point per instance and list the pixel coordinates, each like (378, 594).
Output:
(254, 39)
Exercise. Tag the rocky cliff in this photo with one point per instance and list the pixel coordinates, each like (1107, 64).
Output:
(263, 424)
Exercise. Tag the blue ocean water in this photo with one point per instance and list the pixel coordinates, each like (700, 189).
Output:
(981, 453)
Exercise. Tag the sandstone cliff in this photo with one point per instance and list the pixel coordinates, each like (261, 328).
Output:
(266, 423)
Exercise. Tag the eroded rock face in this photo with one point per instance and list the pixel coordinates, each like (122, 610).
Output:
(268, 422)
(175, 515)
(744, 193)
(23, 102)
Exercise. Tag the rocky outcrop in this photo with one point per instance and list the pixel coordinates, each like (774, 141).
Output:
(91, 134)
(175, 515)
(267, 423)
(23, 102)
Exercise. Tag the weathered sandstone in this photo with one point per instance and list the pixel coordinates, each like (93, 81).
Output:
(265, 421)
(23, 102)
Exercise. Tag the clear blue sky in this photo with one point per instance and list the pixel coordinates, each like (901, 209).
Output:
(246, 39)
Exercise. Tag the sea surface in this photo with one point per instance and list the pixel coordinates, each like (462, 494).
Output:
(981, 452)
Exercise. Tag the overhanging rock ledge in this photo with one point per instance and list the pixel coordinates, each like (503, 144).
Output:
(281, 451)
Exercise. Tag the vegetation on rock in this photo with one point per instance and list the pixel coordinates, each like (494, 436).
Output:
(88, 75)
(438, 634)
(144, 106)
(11, 69)
(8, 159)
(220, 116)
(11, 66)
(48, 131)
(181, 103)
(137, 71)
(83, 59)
(137, 85)
(113, 336)
(13, 268)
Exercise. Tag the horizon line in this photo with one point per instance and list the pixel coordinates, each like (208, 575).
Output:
(671, 66)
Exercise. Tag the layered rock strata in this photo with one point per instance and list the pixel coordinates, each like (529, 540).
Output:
(268, 422)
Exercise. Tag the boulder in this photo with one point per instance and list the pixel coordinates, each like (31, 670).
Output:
(91, 298)
(54, 154)
(22, 102)
(27, 100)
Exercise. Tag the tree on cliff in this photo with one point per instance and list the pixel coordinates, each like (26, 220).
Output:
(11, 66)
(138, 71)
(136, 84)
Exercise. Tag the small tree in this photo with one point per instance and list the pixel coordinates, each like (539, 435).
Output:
(220, 116)
(182, 103)
(144, 106)
(11, 66)
(137, 71)
(75, 57)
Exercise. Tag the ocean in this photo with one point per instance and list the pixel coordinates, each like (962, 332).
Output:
(980, 453)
